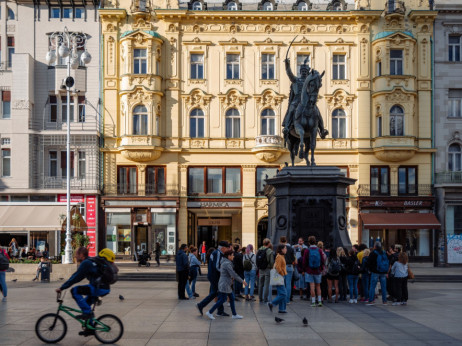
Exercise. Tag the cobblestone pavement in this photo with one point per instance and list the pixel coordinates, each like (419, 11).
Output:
(153, 316)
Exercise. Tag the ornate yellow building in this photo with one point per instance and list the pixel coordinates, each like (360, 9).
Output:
(195, 93)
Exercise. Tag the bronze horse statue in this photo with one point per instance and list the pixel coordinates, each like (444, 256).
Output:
(302, 135)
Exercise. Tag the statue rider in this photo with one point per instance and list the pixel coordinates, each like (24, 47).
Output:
(296, 89)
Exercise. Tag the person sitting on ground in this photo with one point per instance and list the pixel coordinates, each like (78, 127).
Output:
(225, 291)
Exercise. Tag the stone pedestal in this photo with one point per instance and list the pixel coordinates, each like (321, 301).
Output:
(304, 201)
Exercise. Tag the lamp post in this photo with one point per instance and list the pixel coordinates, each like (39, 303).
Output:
(66, 45)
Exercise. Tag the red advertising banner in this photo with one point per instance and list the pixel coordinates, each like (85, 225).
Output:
(91, 233)
(74, 198)
(91, 223)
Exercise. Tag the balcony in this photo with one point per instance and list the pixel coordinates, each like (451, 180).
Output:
(448, 178)
(268, 148)
(147, 190)
(366, 190)
(47, 182)
(141, 148)
(394, 149)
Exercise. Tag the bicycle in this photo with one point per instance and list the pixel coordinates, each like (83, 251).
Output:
(52, 328)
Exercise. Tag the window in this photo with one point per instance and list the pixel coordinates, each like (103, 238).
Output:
(53, 109)
(267, 66)
(268, 122)
(339, 66)
(64, 164)
(396, 121)
(301, 60)
(232, 6)
(53, 158)
(10, 14)
(455, 101)
(196, 123)
(337, 7)
(396, 62)
(262, 174)
(79, 13)
(6, 162)
(6, 141)
(197, 6)
(81, 100)
(213, 176)
(6, 104)
(380, 181)
(455, 157)
(197, 66)
(454, 48)
(267, 6)
(379, 126)
(379, 68)
(453, 219)
(140, 61)
(155, 180)
(82, 164)
(407, 177)
(338, 123)
(67, 12)
(55, 12)
(302, 6)
(140, 120)
(64, 109)
(10, 50)
(126, 180)
(233, 123)
(232, 66)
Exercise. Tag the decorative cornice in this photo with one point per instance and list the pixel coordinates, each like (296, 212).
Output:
(197, 41)
(340, 42)
(233, 42)
(269, 42)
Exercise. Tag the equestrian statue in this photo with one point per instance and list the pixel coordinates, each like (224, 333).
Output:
(303, 119)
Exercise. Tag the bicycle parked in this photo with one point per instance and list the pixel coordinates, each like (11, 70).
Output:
(52, 328)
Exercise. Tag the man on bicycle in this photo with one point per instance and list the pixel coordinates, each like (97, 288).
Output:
(88, 269)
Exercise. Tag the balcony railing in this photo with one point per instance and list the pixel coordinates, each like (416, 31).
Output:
(140, 190)
(75, 183)
(448, 177)
(394, 190)
(268, 141)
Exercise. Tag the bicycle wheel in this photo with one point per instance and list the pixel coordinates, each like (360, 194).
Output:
(108, 329)
(51, 328)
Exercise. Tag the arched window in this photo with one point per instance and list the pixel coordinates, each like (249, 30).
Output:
(196, 123)
(197, 6)
(455, 157)
(338, 123)
(10, 14)
(268, 122)
(302, 6)
(232, 6)
(233, 123)
(140, 120)
(267, 6)
(396, 121)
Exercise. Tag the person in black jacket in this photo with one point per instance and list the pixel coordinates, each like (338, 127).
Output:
(377, 275)
(238, 265)
(182, 269)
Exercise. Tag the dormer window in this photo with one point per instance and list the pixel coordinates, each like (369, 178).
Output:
(267, 6)
(197, 6)
(302, 6)
(337, 7)
(232, 6)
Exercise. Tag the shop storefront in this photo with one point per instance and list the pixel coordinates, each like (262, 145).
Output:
(137, 225)
(407, 223)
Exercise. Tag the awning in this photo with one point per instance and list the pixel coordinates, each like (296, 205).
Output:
(400, 221)
(31, 217)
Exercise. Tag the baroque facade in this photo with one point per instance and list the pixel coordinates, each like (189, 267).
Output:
(194, 101)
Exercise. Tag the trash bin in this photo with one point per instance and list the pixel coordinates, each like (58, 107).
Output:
(45, 271)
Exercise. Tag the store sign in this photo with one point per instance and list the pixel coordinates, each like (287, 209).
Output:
(74, 198)
(454, 248)
(214, 222)
(395, 203)
(90, 208)
(218, 204)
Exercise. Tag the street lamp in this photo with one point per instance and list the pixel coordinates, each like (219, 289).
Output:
(66, 45)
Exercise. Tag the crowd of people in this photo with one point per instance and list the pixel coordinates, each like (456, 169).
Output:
(318, 274)
(30, 253)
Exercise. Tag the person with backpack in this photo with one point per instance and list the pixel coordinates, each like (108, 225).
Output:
(290, 262)
(353, 269)
(334, 268)
(378, 265)
(100, 271)
(194, 270)
(314, 261)
(4, 265)
(265, 262)
(365, 275)
(250, 272)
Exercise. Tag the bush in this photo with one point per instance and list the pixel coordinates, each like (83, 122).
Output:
(28, 261)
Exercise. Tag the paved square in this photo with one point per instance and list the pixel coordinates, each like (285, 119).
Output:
(153, 316)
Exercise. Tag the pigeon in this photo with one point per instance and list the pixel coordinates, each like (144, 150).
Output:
(305, 322)
(61, 279)
(14, 280)
(278, 320)
(121, 297)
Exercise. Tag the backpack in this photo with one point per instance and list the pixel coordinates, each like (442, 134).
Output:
(107, 272)
(262, 259)
(382, 262)
(290, 255)
(314, 259)
(356, 269)
(248, 263)
(334, 267)
(4, 262)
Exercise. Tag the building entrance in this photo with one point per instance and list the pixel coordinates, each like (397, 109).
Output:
(262, 231)
(141, 238)
(213, 230)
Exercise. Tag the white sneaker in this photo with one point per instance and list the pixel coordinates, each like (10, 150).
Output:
(237, 317)
(396, 303)
(351, 301)
(4, 299)
(209, 315)
(355, 301)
